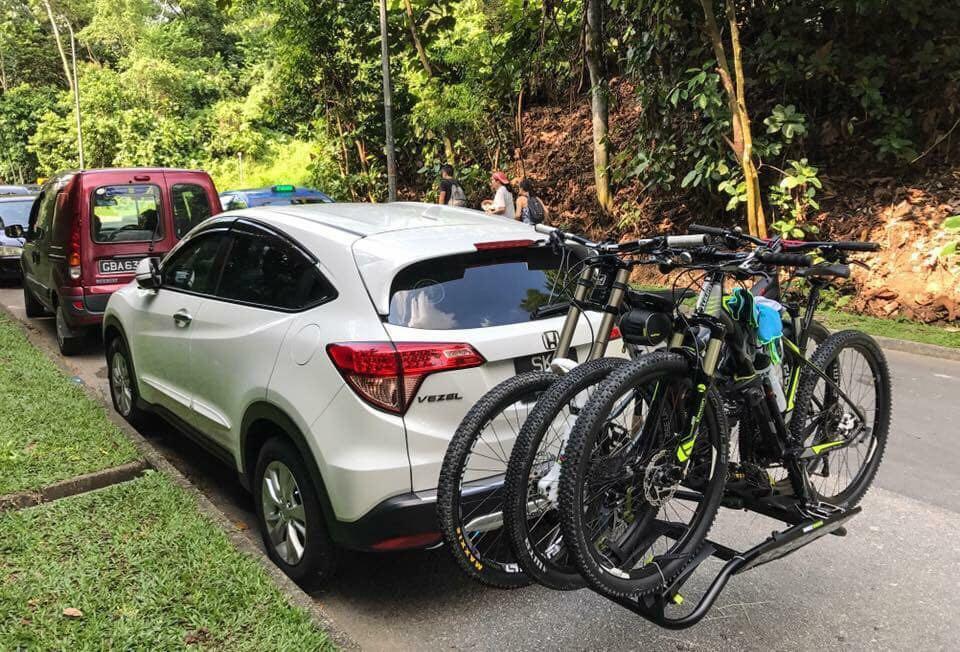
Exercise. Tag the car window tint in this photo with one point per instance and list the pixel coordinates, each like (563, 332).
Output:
(190, 207)
(127, 213)
(193, 266)
(476, 290)
(267, 271)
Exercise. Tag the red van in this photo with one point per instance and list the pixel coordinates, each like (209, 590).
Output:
(88, 229)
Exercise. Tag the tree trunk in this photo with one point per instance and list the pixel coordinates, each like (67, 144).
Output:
(448, 149)
(56, 37)
(735, 88)
(3, 74)
(593, 52)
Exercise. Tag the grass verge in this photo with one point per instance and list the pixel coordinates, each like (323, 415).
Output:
(50, 430)
(145, 569)
(897, 329)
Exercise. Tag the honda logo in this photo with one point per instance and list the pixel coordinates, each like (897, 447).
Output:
(550, 340)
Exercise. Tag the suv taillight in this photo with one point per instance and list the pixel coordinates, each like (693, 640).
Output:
(73, 251)
(388, 374)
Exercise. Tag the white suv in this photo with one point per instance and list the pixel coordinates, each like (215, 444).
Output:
(328, 352)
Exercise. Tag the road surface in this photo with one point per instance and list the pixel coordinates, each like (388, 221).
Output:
(890, 584)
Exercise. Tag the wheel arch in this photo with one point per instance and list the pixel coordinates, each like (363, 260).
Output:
(263, 421)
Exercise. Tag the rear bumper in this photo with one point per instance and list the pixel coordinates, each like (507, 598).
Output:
(402, 522)
(85, 305)
(407, 521)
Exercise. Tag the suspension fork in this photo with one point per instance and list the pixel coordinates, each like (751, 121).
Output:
(618, 290)
(584, 285)
(703, 381)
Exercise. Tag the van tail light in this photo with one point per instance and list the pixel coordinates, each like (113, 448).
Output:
(387, 375)
(73, 252)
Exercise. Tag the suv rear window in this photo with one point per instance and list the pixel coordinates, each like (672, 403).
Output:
(128, 213)
(476, 290)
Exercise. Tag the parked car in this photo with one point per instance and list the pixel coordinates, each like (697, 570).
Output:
(88, 230)
(14, 210)
(279, 195)
(328, 353)
(27, 189)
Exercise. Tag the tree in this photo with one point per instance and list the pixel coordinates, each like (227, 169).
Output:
(599, 102)
(734, 87)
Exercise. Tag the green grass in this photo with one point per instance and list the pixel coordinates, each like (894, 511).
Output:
(897, 329)
(146, 570)
(50, 429)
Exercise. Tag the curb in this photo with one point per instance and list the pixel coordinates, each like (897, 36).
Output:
(918, 348)
(154, 459)
(73, 486)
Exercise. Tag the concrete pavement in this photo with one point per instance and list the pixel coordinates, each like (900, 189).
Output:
(890, 584)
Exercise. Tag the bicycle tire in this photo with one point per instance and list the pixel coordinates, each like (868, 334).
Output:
(572, 477)
(498, 569)
(827, 358)
(544, 559)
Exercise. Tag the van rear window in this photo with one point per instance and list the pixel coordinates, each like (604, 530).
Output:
(127, 213)
(476, 290)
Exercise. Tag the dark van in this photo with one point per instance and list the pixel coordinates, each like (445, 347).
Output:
(87, 231)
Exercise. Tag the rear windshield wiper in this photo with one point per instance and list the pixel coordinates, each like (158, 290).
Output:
(549, 310)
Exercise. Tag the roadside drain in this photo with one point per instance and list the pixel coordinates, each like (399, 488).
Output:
(81, 484)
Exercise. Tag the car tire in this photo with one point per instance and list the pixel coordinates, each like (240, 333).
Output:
(289, 514)
(69, 341)
(122, 378)
(31, 304)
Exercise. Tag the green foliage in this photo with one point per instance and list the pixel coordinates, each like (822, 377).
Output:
(951, 225)
(795, 195)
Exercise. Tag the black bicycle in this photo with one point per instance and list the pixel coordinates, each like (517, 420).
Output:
(646, 465)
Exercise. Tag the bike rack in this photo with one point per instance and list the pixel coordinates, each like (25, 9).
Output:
(802, 531)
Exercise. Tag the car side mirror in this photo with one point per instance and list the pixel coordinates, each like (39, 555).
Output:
(148, 274)
(15, 231)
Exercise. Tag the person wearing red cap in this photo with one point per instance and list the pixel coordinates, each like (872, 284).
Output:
(502, 203)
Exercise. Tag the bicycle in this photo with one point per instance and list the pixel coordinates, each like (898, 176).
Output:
(470, 495)
(645, 467)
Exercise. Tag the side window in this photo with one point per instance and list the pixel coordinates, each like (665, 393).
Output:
(190, 206)
(193, 268)
(44, 207)
(268, 271)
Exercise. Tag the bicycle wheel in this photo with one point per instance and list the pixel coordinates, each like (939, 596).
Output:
(633, 513)
(530, 514)
(470, 492)
(846, 449)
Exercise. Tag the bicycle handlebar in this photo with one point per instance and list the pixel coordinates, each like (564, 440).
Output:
(784, 260)
(670, 241)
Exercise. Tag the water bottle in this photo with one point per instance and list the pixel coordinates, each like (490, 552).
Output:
(774, 374)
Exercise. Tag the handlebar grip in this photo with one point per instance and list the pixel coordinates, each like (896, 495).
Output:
(708, 230)
(688, 241)
(855, 245)
(785, 260)
(544, 229)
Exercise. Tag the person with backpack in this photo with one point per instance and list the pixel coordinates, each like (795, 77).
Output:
(530, 207)
(451, 192)
(502, 202)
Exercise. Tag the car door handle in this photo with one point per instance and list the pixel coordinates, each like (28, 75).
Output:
(182, 318)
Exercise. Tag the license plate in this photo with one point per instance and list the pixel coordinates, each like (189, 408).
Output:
(538, 361)
(119, 265)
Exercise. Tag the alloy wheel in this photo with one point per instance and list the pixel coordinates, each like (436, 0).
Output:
(121, 385)
(283, 512)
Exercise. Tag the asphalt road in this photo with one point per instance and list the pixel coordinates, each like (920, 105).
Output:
(890, 584)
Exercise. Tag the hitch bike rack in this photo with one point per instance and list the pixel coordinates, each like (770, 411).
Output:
(802, 531)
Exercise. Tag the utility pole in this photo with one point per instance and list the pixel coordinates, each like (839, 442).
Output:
(387, 104)
(76, 91)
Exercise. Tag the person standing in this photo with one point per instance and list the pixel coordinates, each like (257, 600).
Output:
(502, 203)
(451, 192)
(532, 210)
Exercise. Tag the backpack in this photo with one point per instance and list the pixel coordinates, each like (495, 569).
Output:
(457, 196)
(535, 210)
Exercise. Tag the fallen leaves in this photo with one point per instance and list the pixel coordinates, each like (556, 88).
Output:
(72, 612)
